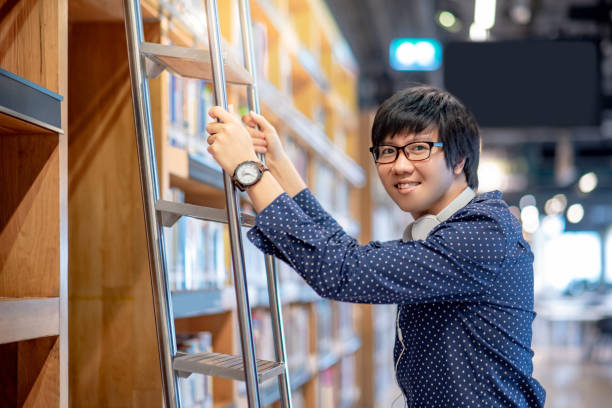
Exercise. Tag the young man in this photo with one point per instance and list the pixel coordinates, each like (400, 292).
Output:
(462, 275)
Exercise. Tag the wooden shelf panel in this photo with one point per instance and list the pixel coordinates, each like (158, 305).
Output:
(26, 107)
(28, 318)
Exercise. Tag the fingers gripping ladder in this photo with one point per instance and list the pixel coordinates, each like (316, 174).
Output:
(148, 60)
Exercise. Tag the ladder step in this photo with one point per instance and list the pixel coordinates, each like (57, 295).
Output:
(191, 63)
(224, 365)
(171, 211)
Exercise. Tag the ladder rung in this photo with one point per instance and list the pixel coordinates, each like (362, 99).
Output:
(171, 211)
(192, 63)
(224, 365)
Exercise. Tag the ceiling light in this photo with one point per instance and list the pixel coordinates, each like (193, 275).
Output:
(553, 225)
(478, 33)
(484, 14)
(587, 182)
(575, 212)
(530, 217)
(556, 205)
(521, 14)
(446, 19)
(528, 199)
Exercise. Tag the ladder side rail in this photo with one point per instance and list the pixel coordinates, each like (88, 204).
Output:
(278, 330)
(150, 194)
(240, 284)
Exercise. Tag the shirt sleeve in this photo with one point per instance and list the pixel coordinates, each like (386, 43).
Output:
(460, 260)
(312, 208)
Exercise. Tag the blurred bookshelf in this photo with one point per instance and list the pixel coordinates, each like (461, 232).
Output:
(307, 82)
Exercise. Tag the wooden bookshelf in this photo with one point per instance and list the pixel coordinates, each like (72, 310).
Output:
(33, 209)
(111, 307)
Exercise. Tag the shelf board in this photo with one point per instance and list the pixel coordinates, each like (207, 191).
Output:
(191, 303)
(12, 122)
(205, 172)
(26, 107)
(28, 318)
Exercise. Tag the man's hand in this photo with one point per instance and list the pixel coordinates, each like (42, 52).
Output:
(265, 139)
(229, 142)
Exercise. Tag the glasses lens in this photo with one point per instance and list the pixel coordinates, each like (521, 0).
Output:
(418, 151)
(385, 154)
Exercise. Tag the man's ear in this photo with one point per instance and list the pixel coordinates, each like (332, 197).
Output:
(458, 169)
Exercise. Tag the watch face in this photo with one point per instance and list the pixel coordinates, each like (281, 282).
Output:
(247, 173)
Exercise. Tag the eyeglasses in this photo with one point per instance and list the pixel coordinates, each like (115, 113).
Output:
(413, 151)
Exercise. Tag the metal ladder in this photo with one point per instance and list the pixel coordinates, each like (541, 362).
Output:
(149, 60)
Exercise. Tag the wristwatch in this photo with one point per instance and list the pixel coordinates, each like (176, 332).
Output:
(248, 173)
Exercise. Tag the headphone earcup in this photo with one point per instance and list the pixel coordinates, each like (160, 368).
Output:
(422, 227)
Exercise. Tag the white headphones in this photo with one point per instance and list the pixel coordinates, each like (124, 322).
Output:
(420, 228)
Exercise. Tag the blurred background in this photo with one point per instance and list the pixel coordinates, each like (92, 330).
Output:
(536, 73)
(538, 76)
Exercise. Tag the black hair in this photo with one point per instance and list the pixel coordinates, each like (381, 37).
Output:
(420, 108)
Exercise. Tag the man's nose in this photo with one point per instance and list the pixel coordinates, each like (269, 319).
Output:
(402, 164)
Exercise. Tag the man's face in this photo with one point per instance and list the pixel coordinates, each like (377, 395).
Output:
(420, 187)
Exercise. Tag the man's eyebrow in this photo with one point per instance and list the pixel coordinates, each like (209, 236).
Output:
(421, 137)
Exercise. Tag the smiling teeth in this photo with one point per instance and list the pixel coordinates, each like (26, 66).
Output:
(407, 185)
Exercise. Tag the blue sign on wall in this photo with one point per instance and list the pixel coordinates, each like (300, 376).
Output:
(415, 54)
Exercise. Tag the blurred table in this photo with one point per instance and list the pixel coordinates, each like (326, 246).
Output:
(571, 321)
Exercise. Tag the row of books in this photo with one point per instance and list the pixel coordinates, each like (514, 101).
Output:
(255, 263)
(331, 190)
(295, 320)
(263, 60)
(197, 255)
(189, 102)
(297, 329)
(325, 326)
(344, 321)
(195, 252)
(338, 384)
(196, 390)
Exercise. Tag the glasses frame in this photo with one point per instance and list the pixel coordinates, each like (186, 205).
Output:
(402, 148)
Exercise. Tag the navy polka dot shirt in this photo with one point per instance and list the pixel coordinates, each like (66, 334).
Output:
(464, 295)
